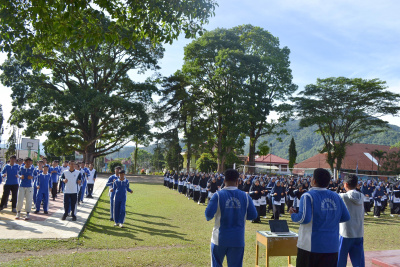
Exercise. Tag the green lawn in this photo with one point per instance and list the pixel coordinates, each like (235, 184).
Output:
(162, 228)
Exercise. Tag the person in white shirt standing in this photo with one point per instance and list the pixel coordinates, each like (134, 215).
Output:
(72, 179)
(91, 180)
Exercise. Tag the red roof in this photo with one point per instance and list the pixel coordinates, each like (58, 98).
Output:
(356, 154)
(270, 158)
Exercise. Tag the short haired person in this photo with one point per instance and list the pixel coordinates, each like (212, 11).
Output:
(72, 179)
(43, 185)
(231, 208)
(319, 215)
(91, 179)
(10, 172)
(352, 232)
(120, 187)
(111, 193)
(25, 190)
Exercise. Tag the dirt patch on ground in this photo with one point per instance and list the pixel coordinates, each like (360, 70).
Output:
(6, 257)
(152, 179)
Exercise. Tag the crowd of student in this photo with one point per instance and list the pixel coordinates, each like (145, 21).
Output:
(34, 184)
(279, 193)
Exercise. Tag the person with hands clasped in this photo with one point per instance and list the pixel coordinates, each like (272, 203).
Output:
(120, 187)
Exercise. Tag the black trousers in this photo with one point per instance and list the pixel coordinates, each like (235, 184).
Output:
(282, 208)
(196, 196)
(276, 209)
(184, 189)
(367, 206)
(203, 196)
(312, 259)
(263, 210)
(289, 204)
(258, 214)
(395, 209)
(54, 190)
(70, 201)
(90, 189)
(377, 211)
(13, 188)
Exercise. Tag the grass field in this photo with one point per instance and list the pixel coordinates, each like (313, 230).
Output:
(162, 228)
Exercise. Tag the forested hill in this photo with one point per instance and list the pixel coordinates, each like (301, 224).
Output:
(308, 143)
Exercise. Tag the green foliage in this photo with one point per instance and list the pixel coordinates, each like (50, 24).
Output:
(1, 120)
(157, 159)
(11, 144)
(88, 103)
(345, 110)
(46, 25)
(205, 163)
(113, 164)
(173, 157)
(143, 159)
(292, 153)
(263, 148)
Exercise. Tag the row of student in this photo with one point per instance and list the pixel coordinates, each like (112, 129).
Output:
(34, 184)
(118, 186)
(274, 193)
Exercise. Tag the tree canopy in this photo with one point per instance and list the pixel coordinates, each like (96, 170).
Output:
(88, 103)
(344, 110)
(46, 24)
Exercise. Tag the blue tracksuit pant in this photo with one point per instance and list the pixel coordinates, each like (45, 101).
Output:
(353, 247)
(234, 256)
(83, 190)
(112, 195)
(42, 195)
(119, 210)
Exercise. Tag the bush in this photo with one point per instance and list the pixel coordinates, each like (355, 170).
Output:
(205, 163)
(114, 164)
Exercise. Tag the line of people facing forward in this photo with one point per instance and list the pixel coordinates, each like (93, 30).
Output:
(279, 193)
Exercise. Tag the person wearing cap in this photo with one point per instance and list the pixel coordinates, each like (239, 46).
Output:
(320, 213)
(231, 208)
(120, 187)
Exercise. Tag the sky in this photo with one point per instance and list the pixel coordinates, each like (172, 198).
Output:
(326, 39)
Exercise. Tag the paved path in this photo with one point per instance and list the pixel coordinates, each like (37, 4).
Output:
(50, 225)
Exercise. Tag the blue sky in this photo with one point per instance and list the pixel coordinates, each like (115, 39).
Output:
(326, 38)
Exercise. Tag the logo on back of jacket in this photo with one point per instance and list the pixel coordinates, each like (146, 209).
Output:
(328, 204)
(232, 203)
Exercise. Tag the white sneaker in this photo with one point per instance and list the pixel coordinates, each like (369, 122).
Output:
(18, 216)
(391, 215)
(376, 216)
(116, 224)
(27, 217)
(121, 225)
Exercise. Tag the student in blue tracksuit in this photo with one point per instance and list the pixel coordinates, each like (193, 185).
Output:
(54, 172)
(111, 193)
(10, 173)
(320, 213)
(120, 187)
(36, 173)
(44, 185)
(231, 208)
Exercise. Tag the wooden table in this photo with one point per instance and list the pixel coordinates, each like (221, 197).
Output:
(276, 245)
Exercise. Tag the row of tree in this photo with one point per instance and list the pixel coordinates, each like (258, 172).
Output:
(69, 66)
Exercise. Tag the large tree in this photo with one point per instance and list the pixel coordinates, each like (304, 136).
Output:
(88, 103)
(292, 154)
(212, 64)
(11, 144)
(344, 110)
(45, 25)
(267, 83)
(178, 108)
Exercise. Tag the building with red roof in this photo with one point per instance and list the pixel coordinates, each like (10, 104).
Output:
(271, 163)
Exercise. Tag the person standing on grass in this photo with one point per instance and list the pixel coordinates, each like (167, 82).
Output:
(320, 213)
(231, 208)
(72, 179)
(352, 232)
(120, 187)
(10, 172)
(111, 193)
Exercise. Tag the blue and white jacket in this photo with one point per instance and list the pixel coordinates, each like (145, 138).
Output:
(320, 213)
(231, 208)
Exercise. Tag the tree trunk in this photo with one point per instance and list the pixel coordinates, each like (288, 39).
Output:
(189, 156)
(135, 161)
(252, 152)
